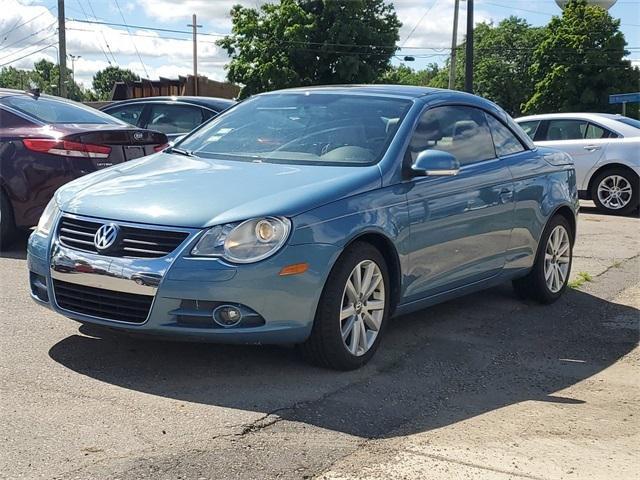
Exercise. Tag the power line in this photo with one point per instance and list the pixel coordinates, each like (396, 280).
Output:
(24, 23)
(134, 43)
(29, 54)
(29, 36)
(87, 17)
(419, 22)
(102, 33)
(39, 41)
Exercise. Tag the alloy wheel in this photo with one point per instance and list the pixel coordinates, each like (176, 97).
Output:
(615, 192)
(557, 257)
(362, 307)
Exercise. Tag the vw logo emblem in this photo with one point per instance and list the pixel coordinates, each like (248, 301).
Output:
(106, 237)
(138, 135)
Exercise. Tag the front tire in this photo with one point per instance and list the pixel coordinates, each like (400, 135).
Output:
(352, 312)
(616, 191)
(547, 280)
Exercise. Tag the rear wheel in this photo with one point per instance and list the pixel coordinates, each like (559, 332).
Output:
(7, 222)
(616, 191)
(352, 312)
(549, 276)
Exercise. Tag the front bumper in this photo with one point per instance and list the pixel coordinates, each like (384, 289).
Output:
(186, 287)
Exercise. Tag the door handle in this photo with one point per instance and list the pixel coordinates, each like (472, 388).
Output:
(592, 148)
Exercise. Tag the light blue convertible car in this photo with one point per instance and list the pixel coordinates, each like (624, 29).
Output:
(311, 216)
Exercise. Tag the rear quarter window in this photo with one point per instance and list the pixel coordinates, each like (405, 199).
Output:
(49, 110)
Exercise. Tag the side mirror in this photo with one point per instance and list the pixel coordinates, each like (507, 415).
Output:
(434, 163)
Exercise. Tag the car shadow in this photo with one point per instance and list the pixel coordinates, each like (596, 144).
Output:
(17, 249)
(436, 367)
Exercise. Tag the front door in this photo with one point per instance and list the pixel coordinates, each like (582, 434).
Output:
(460, 225)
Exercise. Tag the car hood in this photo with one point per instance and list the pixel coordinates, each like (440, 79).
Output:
(175, 190)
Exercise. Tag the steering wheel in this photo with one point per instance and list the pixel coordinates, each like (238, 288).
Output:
(325, 148)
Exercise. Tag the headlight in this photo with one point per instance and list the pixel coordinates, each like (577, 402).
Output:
(245, 242)
(47, 218)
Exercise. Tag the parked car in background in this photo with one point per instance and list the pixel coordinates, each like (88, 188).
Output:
(48, 141)
(310, 216)
(605, 149)
(173, 116)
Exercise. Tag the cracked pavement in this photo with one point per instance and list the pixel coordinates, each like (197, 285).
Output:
(486, 386)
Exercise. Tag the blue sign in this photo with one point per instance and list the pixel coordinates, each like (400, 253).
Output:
(625, 98)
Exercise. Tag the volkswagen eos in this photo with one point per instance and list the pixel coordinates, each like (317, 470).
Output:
(311, 216)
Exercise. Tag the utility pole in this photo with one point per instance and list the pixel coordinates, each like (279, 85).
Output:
(454, 46)
(73, 66)
(468, 69)
(62, 51)
(195, 27)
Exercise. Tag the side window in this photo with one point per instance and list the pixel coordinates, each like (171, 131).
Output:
(128, 113)
(461, 131)
(9, 120)
(530, 127)
(595, 131)
(505, 141)
(167, 118)
(566, 130)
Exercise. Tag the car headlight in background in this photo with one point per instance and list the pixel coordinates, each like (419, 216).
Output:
(245, 242)
(47, 218)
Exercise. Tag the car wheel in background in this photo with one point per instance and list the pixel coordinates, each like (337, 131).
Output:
(616, 191)
(352, 312)
(7, 222)
(547, 280)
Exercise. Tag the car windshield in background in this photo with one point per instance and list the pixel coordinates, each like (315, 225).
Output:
(628, 121)
(48, 110)
(316, 128)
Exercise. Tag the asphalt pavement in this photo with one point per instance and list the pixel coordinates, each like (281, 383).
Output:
(485, 386)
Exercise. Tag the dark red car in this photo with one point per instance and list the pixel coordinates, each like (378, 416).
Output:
(48, 141)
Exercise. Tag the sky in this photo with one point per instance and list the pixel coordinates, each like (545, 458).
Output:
(28, 32)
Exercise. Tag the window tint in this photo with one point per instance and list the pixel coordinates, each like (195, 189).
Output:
(628, 121)
(167, 118)
(505, 141)
(566, 129)
(595, 131)
(530, 127)
(48, 110)
(128, 113)
(461, 131)
(9, 120)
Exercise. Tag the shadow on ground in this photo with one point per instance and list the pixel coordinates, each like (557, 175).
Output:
(435, 367)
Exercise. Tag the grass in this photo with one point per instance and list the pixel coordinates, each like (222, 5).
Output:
(581, 279)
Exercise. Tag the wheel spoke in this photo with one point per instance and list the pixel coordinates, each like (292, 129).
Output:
(351, 292)
(355, 335)
(375, 305)
(371, 321)
(348, 311)
(374, 284)
(362, 342)
(357, 280)
(348, 328)
(366, 280)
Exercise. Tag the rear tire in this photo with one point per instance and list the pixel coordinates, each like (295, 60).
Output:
(616, 191)
(349, 321)
(7, 222)
(548, 278)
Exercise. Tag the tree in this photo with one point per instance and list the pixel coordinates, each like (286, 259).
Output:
(404, 75)
(104, 80)
(502, 60)
(310, 42)
(580, 62)
(45, 76)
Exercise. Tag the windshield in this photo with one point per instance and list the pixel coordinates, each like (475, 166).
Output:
(48, 110)
(628, 121)
(317, 128)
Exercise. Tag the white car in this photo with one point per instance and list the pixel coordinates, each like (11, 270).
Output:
(605, 149)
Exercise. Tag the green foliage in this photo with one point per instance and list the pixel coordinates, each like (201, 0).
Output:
(404, 75)
(310, 42)
(502, 59)
(45, 76)
(579, 63)
(104, 80)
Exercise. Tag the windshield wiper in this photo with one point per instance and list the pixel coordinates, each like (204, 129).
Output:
(180, 151)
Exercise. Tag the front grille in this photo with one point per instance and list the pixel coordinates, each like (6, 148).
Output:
(97, 302)
(134, 242)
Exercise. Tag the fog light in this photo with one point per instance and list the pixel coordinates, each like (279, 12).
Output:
(227, 315)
